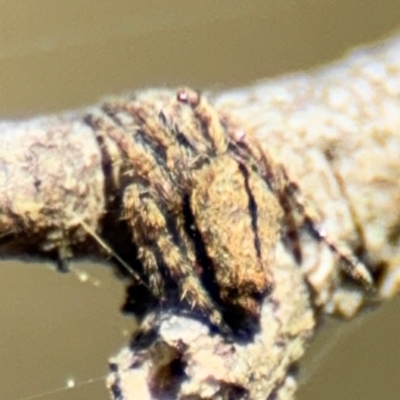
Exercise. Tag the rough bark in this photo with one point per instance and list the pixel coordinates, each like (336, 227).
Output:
(336, 130)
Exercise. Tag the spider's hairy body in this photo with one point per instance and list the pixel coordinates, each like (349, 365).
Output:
(238, 218)
(204, 204)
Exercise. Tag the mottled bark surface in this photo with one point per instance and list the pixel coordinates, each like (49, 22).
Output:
(51, 180)
(336, 131)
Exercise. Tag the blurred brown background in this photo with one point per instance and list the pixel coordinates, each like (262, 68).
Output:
(65, 54)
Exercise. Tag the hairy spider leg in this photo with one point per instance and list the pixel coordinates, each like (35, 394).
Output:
(147, 169)
(208, 117)
(149, 225)
(350, 264)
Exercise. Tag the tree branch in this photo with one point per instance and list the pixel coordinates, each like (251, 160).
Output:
(336, 130)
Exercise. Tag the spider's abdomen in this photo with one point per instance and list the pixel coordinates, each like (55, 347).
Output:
(238, 219)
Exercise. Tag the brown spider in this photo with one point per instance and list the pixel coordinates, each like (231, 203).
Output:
(204, 203)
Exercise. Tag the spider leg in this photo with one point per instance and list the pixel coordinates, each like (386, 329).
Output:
(290, 234)
(135, 210)
(147, 220)
(350, 264)
(153, 176)
(208, 117)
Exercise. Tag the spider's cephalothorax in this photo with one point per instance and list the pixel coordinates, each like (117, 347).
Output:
(204, 203)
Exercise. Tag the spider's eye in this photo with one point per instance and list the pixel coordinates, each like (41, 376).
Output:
(189, 97)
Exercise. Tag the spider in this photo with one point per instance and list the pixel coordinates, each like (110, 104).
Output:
(205, 205)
